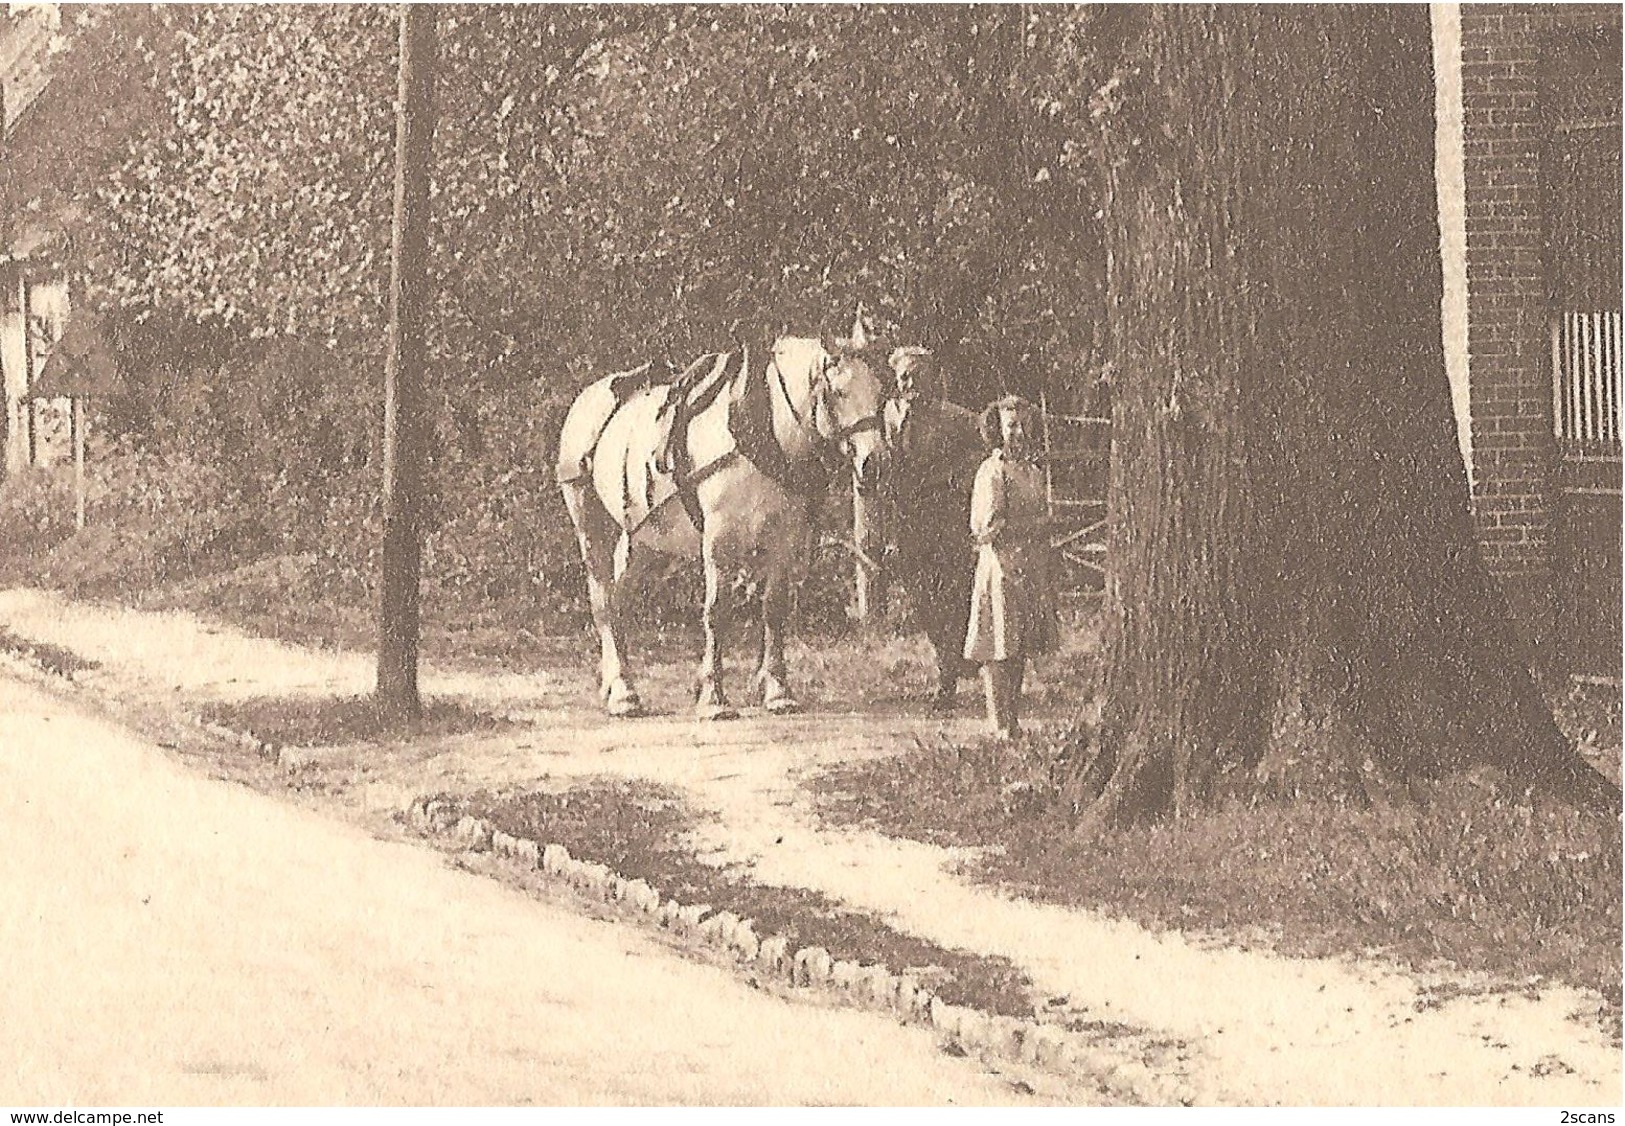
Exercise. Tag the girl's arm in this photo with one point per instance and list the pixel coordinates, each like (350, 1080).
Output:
(987, 503)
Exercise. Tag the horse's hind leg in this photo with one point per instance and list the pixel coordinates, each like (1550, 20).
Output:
(773, 675)
(598, 536)
(712, 703)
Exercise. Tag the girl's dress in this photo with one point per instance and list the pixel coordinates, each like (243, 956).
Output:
(1012, 611)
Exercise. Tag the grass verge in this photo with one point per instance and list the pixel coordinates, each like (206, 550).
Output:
(321, 721)
(52, 658)
(640, 831)
(1526, 894)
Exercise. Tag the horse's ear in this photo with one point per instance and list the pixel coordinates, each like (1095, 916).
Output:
(860, 331)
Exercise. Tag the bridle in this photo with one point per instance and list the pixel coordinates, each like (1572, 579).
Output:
(820, 425)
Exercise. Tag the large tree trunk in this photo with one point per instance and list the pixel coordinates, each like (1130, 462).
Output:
(1297, 600)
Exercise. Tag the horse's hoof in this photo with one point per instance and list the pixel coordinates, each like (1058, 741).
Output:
(621, 700)
(782, 705)
(714, 712)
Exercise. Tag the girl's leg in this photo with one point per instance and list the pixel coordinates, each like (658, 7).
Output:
(990, 686)
(1002, 697)
(1017, 672)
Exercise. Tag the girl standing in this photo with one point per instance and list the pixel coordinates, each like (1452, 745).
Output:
(1012, 610)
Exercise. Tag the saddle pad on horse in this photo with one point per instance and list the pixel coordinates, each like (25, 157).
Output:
(692, 392)
(667, 470)
(624, 384)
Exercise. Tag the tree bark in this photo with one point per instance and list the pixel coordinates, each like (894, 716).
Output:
(1297, 602)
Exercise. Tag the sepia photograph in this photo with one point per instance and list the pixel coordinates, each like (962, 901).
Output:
(833, 555)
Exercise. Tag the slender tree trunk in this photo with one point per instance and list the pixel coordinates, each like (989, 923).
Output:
(76, 422)
(405, 427)
(1297, 601)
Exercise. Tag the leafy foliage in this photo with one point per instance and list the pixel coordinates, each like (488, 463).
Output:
(664, 175)
(611, 183)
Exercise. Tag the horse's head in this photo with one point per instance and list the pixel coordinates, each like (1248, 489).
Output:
(849, 400)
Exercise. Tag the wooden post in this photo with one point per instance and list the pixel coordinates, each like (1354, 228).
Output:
(869, 588)
(76, 419)
(405, 427)
(29, 410)
(5, 390)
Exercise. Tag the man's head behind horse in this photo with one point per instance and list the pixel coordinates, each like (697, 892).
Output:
(916, 385)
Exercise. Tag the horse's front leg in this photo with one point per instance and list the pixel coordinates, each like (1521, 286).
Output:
(772, 676)
(712, 702)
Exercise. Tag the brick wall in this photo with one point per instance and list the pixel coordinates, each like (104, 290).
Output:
(1525, 70)
(1513, 455)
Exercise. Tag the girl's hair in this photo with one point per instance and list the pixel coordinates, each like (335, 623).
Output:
(992, 435)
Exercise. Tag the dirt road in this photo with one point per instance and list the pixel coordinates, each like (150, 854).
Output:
(1261, 1029)
(175, 940)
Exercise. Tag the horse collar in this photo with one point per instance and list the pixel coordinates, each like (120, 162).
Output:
(809, 427)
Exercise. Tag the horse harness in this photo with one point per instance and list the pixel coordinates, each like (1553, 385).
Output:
(820, 405)
(697, 389)
(693, 392)
(757, 444)
(622, 386)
